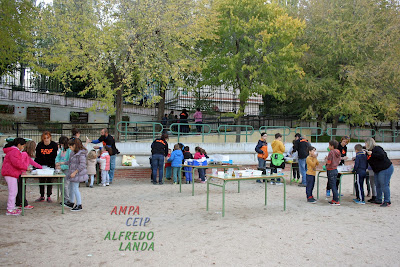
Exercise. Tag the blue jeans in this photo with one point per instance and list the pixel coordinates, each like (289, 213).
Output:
(382, 180)
(175, 173)
(74, 193)
(202, 174)
(303, 170)
(168, 172)
(332, 178)
(157, 162)
(112, 167)
(261, 163)
(310, 185)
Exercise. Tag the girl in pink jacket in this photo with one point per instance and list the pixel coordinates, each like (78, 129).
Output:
(13, 166)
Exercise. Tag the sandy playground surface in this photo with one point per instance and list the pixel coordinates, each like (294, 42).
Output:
(185, 234)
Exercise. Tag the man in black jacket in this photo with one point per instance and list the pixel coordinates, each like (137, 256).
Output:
(301, 146)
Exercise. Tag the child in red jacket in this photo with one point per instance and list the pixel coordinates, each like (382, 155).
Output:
(13, 166)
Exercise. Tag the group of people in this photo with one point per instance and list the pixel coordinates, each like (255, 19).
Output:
(69, 156)
(371, 164)
(170, 118)
(162, 156)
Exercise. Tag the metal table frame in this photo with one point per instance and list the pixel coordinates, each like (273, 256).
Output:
(340, 181)
(60, 176)
(234, 179)
(201, 167)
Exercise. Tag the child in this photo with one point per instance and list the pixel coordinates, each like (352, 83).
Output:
(12, 168)
(188, 170)
(104, 161)
(176, 161)
(360, 169)
(202, 151)
(77, 172)
(295, 165)
(312, 163)
(61, 159)
(167, 166)
(91, 166)
(277, 158)
(27, 156)
(199, 155)
(332, 161)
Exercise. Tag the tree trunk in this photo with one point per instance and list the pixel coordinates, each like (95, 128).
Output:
(161, 106)
(118, 101)
(335, 125)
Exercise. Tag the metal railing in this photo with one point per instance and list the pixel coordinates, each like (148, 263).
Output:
(358, 135)
(329, 132)
(175, 128)
(134, 128)
(318, 131)
(286, 131)
(227, 130)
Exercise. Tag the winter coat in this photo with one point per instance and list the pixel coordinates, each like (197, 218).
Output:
(63, 156)
(278, 147)
(262, 149)
(107, 157)
(333, 160)
(176, 158)
(77, 162)
(14, 163)
(301, 145)
(102, 162)
(91, 166)
(378, 160)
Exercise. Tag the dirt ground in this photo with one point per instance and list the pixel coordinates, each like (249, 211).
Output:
(180, 232)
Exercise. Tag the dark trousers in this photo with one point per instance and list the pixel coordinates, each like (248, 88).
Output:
(202, 174)
(49, 187)
(332, 179)
(328, 186)
(296, 172)
(18, 200)
(310, 185)
(359, 185)
(157, 162)
(198, 127)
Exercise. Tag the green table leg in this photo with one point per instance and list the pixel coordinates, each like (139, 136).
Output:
(266, 182)
(340, 187)
(193, 181)
(180, 180)
(62, 195)
(23, 196)
(58, 188)
(238, 186)
(223, 199)
(284, 194)
(318, 185)
(208, 191)
(291, 172)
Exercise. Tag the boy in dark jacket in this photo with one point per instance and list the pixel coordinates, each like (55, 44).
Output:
(360, 169)
(332, 161)
(301, 145)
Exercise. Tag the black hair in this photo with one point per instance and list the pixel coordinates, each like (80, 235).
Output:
(334, 143)
(262, 134)
(17, 141)
(186, 148)
(75, 131)
(277, 135)
(311, 148)
(63, 141)
(297, 135)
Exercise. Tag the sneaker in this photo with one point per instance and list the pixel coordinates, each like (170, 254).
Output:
(272, 182)
(377, 202)
(14, 212)
(154, 183)
(91, 186)
(293, 180)
(328, 193)
(175, 183)
(40, 199)
(77, 208)
(334, 203)
(302, 185)
(87, 184)
(279, 183)
(168, 178)
(355, 199)
(27, 207)
(311, 200)
(258, 181)
(110, 182)
(359, 202)
(187, 182)
(386, 204)
(107, 184)
(202, 182)
(49, 200)
(160, 183)
(372, 200)
(103, 184)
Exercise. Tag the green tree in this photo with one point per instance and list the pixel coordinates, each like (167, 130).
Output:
(255, 53)
(351, 64)
(16, 20)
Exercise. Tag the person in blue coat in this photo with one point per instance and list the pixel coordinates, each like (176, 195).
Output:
(176, 161)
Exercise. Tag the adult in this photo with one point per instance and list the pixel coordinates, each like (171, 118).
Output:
(383, 169)
(301, 145)
(46, 153)
(198, 119)
(159, 150)
(183, 118)
(262, 152)
(164, 121)
(107, 140)
(342, 147)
